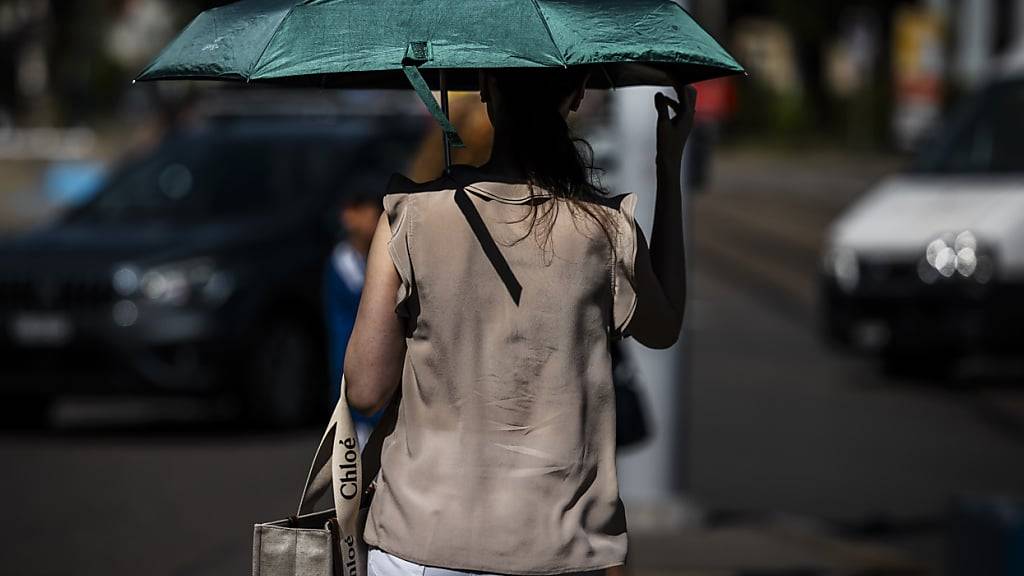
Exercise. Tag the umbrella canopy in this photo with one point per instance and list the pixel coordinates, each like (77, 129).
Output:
(366, 43)
(392, 43)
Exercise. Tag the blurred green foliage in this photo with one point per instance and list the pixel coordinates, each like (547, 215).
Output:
(815, 116)
(83, 81)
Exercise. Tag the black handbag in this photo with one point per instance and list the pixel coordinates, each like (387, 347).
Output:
(631, 427)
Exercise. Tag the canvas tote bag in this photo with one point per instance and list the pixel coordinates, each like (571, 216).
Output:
(329, 542)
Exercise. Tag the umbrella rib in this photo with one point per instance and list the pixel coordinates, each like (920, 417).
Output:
(255, 63)
(544, 21)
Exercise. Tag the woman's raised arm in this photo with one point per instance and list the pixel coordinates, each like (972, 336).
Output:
(661, 269)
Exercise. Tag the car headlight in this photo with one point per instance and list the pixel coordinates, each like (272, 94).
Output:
(843, 265)
(176, 284)
(955, 254)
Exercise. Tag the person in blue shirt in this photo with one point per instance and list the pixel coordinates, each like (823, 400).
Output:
(358, 213)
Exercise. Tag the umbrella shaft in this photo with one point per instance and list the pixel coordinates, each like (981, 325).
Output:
(444, 110)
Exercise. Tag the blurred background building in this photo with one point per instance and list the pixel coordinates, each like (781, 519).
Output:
(788, 433)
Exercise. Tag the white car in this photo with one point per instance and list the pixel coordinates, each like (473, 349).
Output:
(929, 265)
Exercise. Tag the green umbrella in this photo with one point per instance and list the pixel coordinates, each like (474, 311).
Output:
(441, 44)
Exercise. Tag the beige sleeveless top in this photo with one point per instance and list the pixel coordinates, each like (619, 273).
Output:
(503, 456)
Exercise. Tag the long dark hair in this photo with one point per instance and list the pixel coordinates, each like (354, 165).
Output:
(543, 146)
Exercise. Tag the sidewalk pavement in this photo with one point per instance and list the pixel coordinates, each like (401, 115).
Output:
(751, 550)
(678, 537)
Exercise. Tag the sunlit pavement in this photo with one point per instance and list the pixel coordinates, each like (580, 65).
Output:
(783, 431)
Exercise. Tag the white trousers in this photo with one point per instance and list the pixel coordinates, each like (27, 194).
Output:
(380, 563)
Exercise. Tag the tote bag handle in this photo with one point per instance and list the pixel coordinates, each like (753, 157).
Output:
(338, 465)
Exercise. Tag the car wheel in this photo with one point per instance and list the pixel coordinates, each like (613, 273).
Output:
(282, 389)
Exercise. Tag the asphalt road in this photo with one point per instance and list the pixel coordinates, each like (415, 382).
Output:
(783, 422)
(779, 421)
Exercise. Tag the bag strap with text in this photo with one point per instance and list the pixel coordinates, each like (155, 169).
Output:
(338, 464)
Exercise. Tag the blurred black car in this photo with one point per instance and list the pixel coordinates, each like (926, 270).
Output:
(196, 270)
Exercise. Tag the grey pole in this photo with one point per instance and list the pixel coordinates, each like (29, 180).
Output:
(975, 22)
